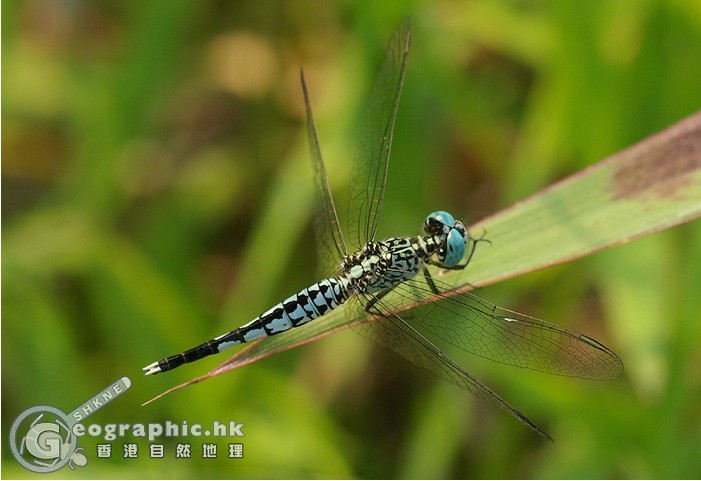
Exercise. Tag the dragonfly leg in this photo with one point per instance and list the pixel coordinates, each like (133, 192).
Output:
(475, 240)
(429, 280)
(457, 267)
(375, 298)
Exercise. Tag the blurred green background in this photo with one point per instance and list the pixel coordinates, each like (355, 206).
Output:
(157, 191)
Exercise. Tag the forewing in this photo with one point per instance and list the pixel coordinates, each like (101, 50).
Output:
(331, 247)
(371, 160)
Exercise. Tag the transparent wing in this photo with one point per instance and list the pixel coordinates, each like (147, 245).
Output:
(390, 329)
(481, 328)
(331, 247)
(369, 174)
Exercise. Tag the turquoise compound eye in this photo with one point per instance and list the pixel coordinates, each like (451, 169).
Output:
(455, 248)
(442, 216)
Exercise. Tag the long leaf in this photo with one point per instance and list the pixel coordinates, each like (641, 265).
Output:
(650, 186)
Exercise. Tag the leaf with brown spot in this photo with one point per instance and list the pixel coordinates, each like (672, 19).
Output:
(650, 186)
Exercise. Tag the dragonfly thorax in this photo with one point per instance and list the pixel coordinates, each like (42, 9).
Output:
(386, 264)
(382, 265)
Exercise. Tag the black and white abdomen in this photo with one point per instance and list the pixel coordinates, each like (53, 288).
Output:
(308, 304)
(298, 309)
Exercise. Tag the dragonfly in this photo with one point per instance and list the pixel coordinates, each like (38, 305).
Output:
(389, 283)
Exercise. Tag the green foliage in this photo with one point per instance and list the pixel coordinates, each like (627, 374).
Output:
(157, 191)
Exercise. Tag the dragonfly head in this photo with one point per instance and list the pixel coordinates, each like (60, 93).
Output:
(450, 236)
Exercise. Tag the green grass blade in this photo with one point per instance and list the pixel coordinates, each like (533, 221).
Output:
(652, 185)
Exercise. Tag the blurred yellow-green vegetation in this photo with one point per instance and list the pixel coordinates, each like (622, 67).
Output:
(157, 191)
